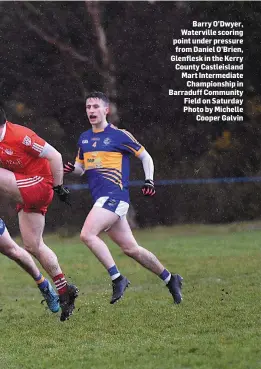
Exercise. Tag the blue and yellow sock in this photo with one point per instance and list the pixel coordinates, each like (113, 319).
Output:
(41, 281)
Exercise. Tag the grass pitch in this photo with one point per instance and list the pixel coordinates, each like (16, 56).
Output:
(217, 326)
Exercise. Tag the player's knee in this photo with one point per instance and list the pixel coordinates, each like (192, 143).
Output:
(87, 238)
(131, 250)
(10, 249)
(13, 253)
(32, 246)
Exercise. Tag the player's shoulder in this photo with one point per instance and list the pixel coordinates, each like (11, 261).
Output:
(118, 131)
(85, 135)
(127, 134)
(19, 131)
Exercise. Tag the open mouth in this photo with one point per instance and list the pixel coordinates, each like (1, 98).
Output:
(92, 117)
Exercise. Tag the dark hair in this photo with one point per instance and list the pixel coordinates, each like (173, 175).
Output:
(98, 95)
(2, 116)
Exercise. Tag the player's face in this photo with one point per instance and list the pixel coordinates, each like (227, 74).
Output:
(96, 110)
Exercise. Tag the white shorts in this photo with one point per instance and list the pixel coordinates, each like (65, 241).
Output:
(118, 207)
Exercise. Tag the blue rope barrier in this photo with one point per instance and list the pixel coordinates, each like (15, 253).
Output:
(169, 182)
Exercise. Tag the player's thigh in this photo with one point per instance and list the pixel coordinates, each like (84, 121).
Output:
(37, 193)
(31, 227)
(121, 233)
(98, 220)
(8, 185)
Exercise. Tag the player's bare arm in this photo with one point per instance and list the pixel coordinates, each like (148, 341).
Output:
(56, 166)
(56, 163)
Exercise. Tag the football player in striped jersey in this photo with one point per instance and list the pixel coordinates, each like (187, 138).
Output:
(103, 158)
(31, 170)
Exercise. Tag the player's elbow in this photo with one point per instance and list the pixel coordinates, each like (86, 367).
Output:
(54, 156)
(145, 156)
(58, 156)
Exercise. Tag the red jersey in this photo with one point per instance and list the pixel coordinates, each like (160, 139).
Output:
(20, 150)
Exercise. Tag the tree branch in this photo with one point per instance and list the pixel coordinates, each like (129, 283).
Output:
(108, 67)
(94, 11)
(64, 47)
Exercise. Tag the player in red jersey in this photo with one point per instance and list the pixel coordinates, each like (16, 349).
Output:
(31, 171)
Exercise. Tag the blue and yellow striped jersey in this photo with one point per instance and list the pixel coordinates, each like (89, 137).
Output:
(105, 155)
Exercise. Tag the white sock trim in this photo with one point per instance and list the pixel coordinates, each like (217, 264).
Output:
(166, 281)
(115, 276)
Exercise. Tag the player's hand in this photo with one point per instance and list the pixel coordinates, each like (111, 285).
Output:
(148, 188)
(68, 168)
(63, 193)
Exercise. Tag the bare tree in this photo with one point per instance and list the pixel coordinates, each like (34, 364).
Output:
(107, 68)
(94, 56)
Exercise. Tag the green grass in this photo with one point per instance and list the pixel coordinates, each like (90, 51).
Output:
(218, 325)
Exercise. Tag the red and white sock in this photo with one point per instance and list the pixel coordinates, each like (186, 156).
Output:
(60, 283)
